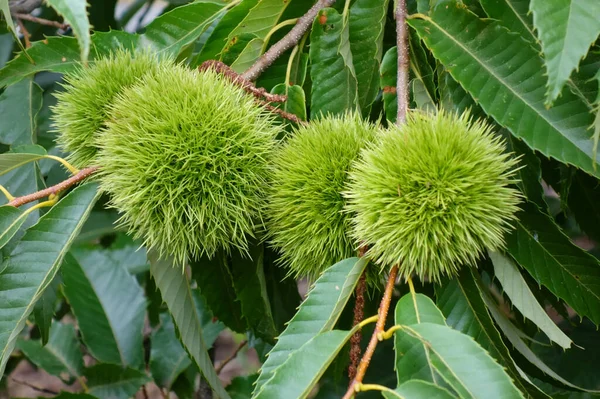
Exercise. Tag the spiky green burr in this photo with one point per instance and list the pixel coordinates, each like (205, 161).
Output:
(433, 194)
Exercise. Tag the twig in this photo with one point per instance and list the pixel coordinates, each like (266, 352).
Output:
(41, 21)
(83, 173)
(359, 314)
(237, 79)
(35, 388)
(25, 32)
(282, 113)
(231, 357)
(384, 307)
(403, 61)
(145, 392)
(288, 41)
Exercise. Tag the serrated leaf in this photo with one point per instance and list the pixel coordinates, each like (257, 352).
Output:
(12, 160)
(584, 201)
(248, 56)
(513, 334)
(109, 306)
(417, 389)
(548, 255)
(61, 356)
(241, 387)
(109, 381)
(566, 30)
(388, 72)
(530, 173)
(322, 308)
(505, 76)
(5, 9)
(168, 359)
(514, 14)
(261, 18)
(463, 364)
(423, 86)
(334, 85)
(366, 24)
(175, 290)
(19, 107)
(75, 14)
(296, 100)
(296, 377)
(44, 308)
(412, 357)
(211, 327)
(35, 261)
(461, 302)
(11, 219)
(522, 298)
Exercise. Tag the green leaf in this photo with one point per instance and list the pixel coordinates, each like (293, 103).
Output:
(417, 389)
(44, 308)
(12, 160)
(584, 201)
(462, 303)
(423, 86)
(251, 290)
(248, 56)
(109, 306)
(505, 76)
(109, 381)
(35, 261)
(366, 22)
(334, 85)
(296, 100)
(566, 30)
(19, 106)
(454, 97)
(75, 14)
(514, 14)
(175, 290)
(241, 387)
(168, 359)
(548, 255)
(11, 219)
(413, 358)
(300, 372)
(61, 356)
(5, 9)
(215, 281)
(388, 73)
(218, 38)
(261, 18)
(522, 298)
(463, 364)
(69, 395)
(211, 327)
(322, 308)
(530, 173)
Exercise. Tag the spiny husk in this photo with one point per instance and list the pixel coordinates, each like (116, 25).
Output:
(305, 222)
(432, 195)
(88, 92)
(184, 158)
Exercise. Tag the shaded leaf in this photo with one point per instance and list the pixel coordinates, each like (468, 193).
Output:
(388, 72)
(43, 311)
(548, 255)
(241, 387)
(261, 18)
(211, 326)
(35, 261)
(19, 106)
(109, 381)
(248, 56)
(530, 174)
(322, 308)
(417, 389)
(334, 86)
(505, 76)
(75, 14)
(584, 201)
(11, 219)
(13, 160)
(296, 100)
(109, 306)
(175, 290)
(61, 356)
(522, 298)
(566, 30)
(168, 359)
(514, 14)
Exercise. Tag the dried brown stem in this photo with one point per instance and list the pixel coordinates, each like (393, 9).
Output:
(403, 61)
(237, 79)
(83, 173)
(384, 307)
(231, 357)
(41, 21)
(282, 113)
(34, 387)
(359, 315)
(288, 41)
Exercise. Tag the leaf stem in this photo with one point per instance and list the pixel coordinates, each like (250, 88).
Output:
(275, 29)
(384, 307)
(8, 195)
(231, 357)
(373, 387)
(388, 334)
(66, 164)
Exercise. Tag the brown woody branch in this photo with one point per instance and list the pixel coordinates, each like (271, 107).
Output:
(288, 41)
(231, 357)
(41, 21)
(403, 61)
(83, 173)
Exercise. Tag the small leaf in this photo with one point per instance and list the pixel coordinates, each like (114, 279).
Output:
(61, 356)
(44, 308)
(463, 364)
(548, 255)
(424, 90)
(35, 261)
(11, 219)
(296, 100)
(12, 160)
(211, 326)
(296, 377)
(109, 306)
(168, 359)
(175, 290)
(388, 72)
(522, 298)
(19, 107)
(334, 86)
(75, 14)
(261, 18)
(248, 56)
(566, 30)
(584, 201)
(417, 389)
(109, 381)
(322, 307)
(530, 173)
(514, 14)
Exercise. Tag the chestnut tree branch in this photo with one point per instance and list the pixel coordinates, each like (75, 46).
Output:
(403, 61)
(288, 41)
(41, 21)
